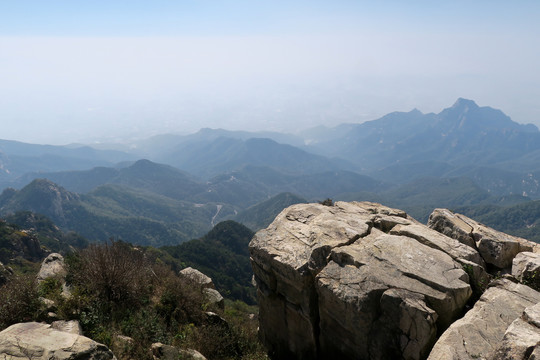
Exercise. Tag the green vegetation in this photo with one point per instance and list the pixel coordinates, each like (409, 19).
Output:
(221, 254)
(520, 219)
(117, 289)
(19, 300)
(115, 211)
(261, 215)
(48, 234)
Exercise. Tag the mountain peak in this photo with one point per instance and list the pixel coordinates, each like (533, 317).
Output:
(464, 104)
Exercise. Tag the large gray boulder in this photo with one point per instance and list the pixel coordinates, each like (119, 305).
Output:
(482, 329)
(52, 266)
(356, 280)
(39, 341)
(495, 247)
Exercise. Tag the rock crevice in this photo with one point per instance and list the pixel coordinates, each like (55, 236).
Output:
(364, 281)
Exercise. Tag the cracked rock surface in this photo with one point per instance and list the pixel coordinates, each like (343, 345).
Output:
(356, 280)
(41, 341)
(496, 248)
(482, 329)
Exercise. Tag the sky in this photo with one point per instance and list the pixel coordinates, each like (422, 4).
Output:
(102, 71)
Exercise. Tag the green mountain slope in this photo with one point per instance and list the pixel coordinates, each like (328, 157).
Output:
(259, 216)
(223, 255)
(418, 198)
(519, 219)
(210, 158)
(114, 211)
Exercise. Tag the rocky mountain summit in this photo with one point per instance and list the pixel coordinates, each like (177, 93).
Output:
(363, 281)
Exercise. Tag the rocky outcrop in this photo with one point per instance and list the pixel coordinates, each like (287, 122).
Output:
(521, 340)
(52, 266)
(352, 281)
(364, 281)
(205, 283)
(496, 248)
(213, 297)
(526, 268)
(42, 342)
(481, 330)
(197, 277)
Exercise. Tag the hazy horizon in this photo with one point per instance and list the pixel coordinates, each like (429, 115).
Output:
(117, 70)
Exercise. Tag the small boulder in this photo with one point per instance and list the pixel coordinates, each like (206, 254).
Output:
(526, 268)
(213, 297)
(52, 266)
(39, 341)
(198, 277)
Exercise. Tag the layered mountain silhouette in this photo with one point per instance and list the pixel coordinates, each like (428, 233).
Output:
(466, 155)
(460, 135)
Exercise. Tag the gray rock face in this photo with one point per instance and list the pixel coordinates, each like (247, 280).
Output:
(496, 248)
(197, 277)
(521, 340)
(482, 329)
(72, 327)
(42, 342)
(356, 280)
(213, 297)
(52, 266)
(526, 268)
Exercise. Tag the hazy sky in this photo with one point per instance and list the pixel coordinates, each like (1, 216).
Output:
(87, 70)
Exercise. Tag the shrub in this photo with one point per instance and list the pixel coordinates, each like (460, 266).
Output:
(327, 202)
(114, 273)
(178, 299)
(19, 301)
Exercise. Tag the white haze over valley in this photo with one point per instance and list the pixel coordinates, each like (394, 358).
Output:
(102, 72)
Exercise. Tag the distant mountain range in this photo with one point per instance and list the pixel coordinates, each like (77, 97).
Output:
(465, 155)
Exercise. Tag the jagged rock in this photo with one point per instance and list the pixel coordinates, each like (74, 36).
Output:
(353, 290)
(496, 248)
(167, 352)
(52, 266)
(522, 338)
(482, 329)
(213, 297)
(198, 277)
(42, 342)
(526, 268)
(452, 225)
(332, 282)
